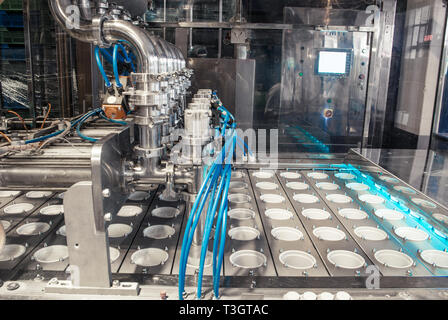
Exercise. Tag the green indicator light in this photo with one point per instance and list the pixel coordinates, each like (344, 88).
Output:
(301, 74)
(329, 100)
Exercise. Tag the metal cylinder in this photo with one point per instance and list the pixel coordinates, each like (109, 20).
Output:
(150, 136)
(45, 177)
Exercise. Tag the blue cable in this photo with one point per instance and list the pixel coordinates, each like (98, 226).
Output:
(108, 55)
(100, 66)
(201, 198)
(115, 63)
(54, 134)
(222, 195)
(194, 219)
(245, 144)
(124, 123)
(188, 238)
(81, 122)
(217, 268)
(44, 137)
(223, 216)
(193, 210)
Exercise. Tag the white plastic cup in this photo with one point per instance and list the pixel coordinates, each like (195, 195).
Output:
(291, 295)
(309, 296)
(325, 296)
(342, 295)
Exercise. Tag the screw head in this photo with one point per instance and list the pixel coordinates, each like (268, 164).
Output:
(106, 193)
(13, 286)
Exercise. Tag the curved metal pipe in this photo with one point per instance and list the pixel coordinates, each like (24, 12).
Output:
(83, 32)
(113, 31)
(116, 30)
(163, 58)
(175, 57)
(180, 57)
(85, 9)
(168, 53)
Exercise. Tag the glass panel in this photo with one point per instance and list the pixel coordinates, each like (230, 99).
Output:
(324, 81)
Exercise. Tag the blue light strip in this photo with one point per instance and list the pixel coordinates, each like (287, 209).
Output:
(436, 235)
(308, 138)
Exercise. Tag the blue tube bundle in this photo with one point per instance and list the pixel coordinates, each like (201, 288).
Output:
(215, 189)
(113, 58)
(78, 124)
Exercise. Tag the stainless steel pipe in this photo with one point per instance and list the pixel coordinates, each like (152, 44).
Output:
(45, 177)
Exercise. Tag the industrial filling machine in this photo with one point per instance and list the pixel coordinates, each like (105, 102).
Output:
(163, 188)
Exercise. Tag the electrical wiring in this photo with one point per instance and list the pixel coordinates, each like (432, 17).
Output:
(20, 118)
(76, 123)
(73, 146)
(46, 116)
(83, 120)
(59, 136)
(6, 137)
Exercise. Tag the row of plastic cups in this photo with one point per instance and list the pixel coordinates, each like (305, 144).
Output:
(308, 295)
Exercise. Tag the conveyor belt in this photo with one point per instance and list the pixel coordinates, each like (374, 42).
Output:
(285, 224)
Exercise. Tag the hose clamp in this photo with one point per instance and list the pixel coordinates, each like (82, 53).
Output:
(98, 24)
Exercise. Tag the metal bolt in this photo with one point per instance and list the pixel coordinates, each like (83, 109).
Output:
(13, 286)
(39, 278)
(106, 193)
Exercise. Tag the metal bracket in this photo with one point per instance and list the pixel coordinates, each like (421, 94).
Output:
(87, 239)
(67, 287)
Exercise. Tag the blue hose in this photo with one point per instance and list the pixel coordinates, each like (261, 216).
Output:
(196, 211)
(108, 56)
(100, 66)
(222, 218)
(54, 134)
(115, 63)
(217, 264)
(188, 238)
(221, 252)
(81, 122)
(239, 141)
(193, 214)
(194, 219)
(224, 185)
(124, 123)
